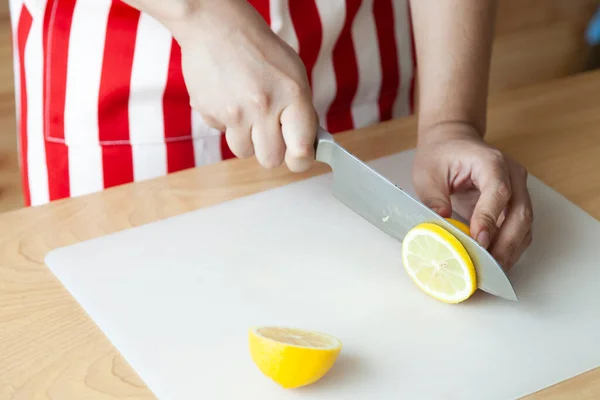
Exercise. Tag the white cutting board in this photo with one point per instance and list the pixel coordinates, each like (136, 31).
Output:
(177, 297)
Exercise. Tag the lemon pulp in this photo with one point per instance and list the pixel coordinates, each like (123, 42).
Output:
(438, 263)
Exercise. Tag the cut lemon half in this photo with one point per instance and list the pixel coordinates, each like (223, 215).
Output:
(438, 263)
(293, 357)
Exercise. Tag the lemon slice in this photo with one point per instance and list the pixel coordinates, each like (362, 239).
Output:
(293, 357)
(438, 263)
(460, 225)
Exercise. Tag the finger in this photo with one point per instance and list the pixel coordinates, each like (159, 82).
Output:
(501, 218)
(495, 187)
(239, 140)
(517, 222)
(434, 192)
(299, 129)
(464, 201)
(269, 146)
(519, 253)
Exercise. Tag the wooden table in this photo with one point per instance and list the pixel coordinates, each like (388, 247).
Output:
(50, 349)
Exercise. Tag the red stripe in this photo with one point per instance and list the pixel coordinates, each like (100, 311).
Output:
(177, 115)
(383, 11)
(262, 6)
(113, 112)
(56, 53)
(339, 116)
(23, 29)
(307, 24)
(226, 152)
(414, 61)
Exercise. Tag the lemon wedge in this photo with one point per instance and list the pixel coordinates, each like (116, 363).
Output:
(438, 263)
(293, 357)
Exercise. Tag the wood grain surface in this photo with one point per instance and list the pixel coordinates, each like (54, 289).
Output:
(50, 349)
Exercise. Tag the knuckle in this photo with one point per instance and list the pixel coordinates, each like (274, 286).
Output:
(503, 191)
(508, 252)
(294, 89)
(260, 100)
(301, 151)
(497, 156)
(234, 113)
(298, 67)
(525, 215)
(522, 171)
(511, 247)
(210, 121)
(487, 220)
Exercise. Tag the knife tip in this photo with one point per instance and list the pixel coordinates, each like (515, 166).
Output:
(509, 295)
(513, 296)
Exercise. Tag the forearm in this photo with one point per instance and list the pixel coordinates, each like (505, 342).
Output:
(184, 18)
(453, 44)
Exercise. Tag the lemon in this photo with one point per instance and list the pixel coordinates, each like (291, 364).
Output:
(293, 357)
(460, 225)
(438, 263)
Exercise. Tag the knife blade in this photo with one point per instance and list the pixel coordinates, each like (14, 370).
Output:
(395, 212)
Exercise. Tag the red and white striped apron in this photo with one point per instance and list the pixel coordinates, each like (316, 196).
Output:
(101, 100)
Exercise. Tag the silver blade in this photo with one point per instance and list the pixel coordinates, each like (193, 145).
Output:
(395, 212)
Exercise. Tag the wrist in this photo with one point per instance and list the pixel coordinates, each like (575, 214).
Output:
(210, 20)
(184, 16)
(172, 13)
(447, 130)
(457, 111)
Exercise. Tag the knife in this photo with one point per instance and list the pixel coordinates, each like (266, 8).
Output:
(395, 212)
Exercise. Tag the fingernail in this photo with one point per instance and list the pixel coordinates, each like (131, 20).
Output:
(483, 239)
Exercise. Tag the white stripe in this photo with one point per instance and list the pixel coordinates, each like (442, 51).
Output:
(36, 150)
(86, 50)
(281, 22)
(148, 81)
(149, 160)
(36, 8)
(207, 142)
(365, 106)
(333, 15)
(85, 180)
(14, 8)
(403, 43)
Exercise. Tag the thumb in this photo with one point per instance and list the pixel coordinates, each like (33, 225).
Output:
(434, 193)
